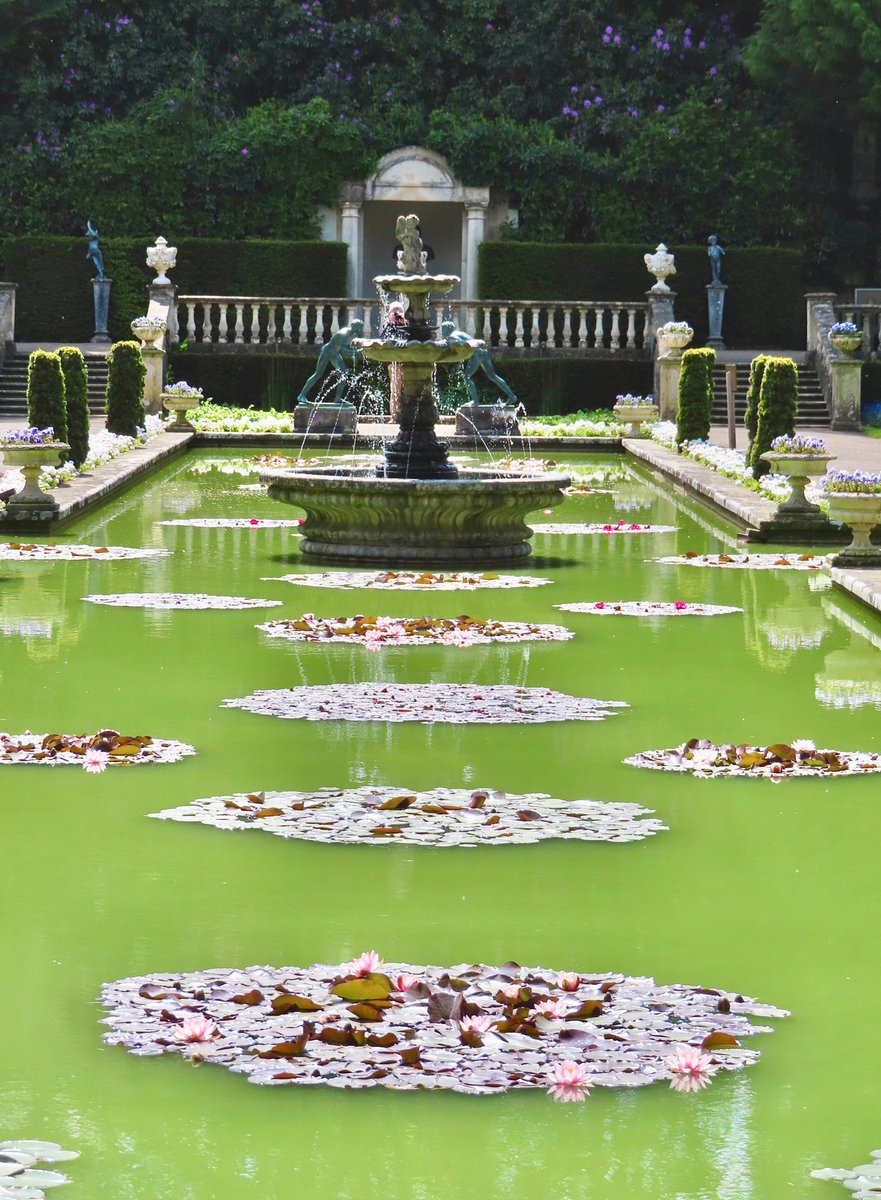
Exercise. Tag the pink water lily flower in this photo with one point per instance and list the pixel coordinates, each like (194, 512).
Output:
(690, 1068)
(600, 604)
(680, 605)
(197, 1029)
(366, 964)
(803, 746)
(374, 639)
(95, 761)
(568, 1081)
(479, 1024)
(404, 982)
(457, 637)
(253, 521)
(554, 1010)
(568, 981)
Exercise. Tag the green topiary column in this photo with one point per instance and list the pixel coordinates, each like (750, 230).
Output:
(46, 407)
(751, 416)
(695, 413)
(778, 408)
(125, 389)
(76, 387)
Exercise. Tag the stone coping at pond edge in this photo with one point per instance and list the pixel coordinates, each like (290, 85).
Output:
(467, 1028)
(726, 496)
(375, 816)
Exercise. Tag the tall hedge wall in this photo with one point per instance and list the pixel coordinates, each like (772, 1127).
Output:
(54, 298)
(548, 385)
(764, 304)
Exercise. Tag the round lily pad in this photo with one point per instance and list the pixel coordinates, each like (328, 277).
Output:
(749, 562)
(234, 523)
(779, 761)
(52, 552)
(69, 749)
(173, 601)
(377, 632)
(648, 608)
(618, 527)
(417, 581)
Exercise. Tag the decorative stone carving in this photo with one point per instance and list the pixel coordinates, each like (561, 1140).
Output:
(660, 264)
(161, 258)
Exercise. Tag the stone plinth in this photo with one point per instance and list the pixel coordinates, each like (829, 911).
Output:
(667, 370)
(846, 393)
(324, 418)
(498, 420)
(101, 299)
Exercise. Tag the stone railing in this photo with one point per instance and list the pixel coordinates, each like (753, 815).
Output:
(866, 317)
(839, 374)
(583, 326)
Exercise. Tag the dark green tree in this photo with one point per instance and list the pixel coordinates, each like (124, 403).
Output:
(46, 407)
(695, 413)
(76, 388)
(778, 409)
(125, 388)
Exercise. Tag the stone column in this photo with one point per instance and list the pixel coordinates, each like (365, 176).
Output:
(162, 303)
(667, 371)
(474, 234)
(661, 310)
(352, 231)
(846, 393)
(101, 296)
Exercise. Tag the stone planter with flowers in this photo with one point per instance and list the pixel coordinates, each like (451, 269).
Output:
(31, 450)
(800, 459)
(855, 501)
(846, 337)
(179, 398)
(634, 410)
(149, 329)
(675, 336)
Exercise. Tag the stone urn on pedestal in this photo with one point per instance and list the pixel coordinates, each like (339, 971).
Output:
(149, 330)
(31, 503)
(855, 501)
(634, 410)
(179, 398)
(800, 459)
(846, 337)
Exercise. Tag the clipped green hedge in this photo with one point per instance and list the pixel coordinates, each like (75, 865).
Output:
(54, 300)
(245, 380)
(764, 304)
(695, 412)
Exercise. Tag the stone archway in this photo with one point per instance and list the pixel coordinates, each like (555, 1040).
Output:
(412, 179)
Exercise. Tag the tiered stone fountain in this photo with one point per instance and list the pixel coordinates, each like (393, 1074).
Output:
(416, 506)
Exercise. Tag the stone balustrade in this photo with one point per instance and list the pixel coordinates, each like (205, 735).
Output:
(584, 326)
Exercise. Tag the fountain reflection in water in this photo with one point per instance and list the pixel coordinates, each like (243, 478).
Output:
(416, 506)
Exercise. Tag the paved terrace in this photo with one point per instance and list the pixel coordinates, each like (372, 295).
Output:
(853, 451)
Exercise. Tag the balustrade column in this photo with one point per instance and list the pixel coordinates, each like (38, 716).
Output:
(518, 327)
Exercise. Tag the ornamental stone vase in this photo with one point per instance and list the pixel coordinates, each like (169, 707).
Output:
(798, 469)
(180, 406)
(847, 343)
(148, 334)
(860, 512)
(676, 341)
(634, 415)
(32, 502)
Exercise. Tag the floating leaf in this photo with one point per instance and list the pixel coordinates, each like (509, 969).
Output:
(291, 1049)
(368, 987)
(365, 1012)
(290, 1003)
(717, 1040)
(255, 996)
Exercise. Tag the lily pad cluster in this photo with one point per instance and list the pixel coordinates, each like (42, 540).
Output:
(751, 562)
(21, 1175)
(619, 527)
(778, 761)
(52, 551)
(66, 749)
(468, 1028)
(440, 817)
(235, 523)
(376, 632)
(450, 703)
(178, 600)
(415, 581)
(648, 608)
(863, 1181)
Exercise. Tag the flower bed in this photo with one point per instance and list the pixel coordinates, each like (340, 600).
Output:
(440, 817)
(51, 552)
(220, 418)
(596, 527)
(453, 703)
(92, 751)
(468, 1028)
(648, 608)
(730, 463)
(415, 581)
(172, 601)
(750, 562)
(376, 632)
(779, 761)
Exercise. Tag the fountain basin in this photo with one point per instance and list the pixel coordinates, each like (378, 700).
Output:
(356, 517)
(417, 352)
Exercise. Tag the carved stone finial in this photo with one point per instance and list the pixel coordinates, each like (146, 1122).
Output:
(660, 264)
(411, 257)
(161, 257)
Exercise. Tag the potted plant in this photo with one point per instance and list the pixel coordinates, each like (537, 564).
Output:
(31, 450)
(855, 500)
(179, 398)
(149, 329)
(846, 337)
(799, 458)
(676, 334)
(633, 410)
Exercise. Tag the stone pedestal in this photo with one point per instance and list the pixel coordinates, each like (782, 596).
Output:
(716, 308)
(101, 298)
(660, 312)
(154, 380)
(416, 452)
(667, 372)
(324, 418)
(498, 420)
(846, 393)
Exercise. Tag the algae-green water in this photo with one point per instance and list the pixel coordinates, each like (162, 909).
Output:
(769, 890)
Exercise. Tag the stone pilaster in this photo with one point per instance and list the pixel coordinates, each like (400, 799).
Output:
(846, 393)
(352, 232)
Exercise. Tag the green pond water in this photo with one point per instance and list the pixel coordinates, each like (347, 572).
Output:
(768, 890)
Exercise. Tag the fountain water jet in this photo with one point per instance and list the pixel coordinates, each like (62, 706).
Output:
(416, 507)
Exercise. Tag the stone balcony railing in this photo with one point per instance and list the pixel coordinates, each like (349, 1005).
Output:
(866, 317)
(602, 327)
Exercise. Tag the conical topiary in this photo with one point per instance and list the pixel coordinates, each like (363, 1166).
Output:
(695, 413)
(778, 408)
(46, 407)
(751, 416)
(76, 387)
(125, 389)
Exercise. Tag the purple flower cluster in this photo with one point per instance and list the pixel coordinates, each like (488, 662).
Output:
(28, 437)
(630, 401)
(852, 482)
(847, 328)
(798, 444)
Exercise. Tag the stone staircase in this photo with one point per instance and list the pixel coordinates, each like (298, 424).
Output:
(14, 383)
(812, 408)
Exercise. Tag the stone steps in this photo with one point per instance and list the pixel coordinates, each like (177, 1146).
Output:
(812, 409)
(14, 383)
